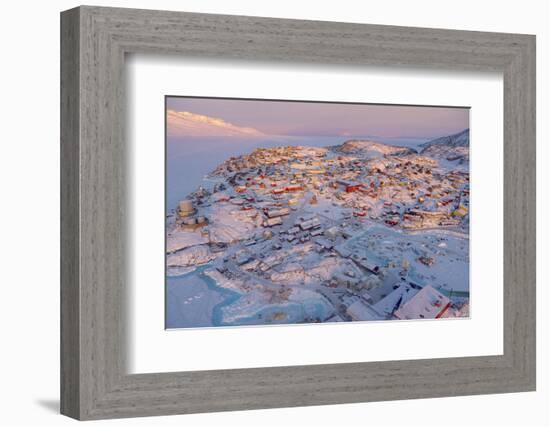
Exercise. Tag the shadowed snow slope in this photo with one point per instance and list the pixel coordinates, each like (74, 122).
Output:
(461, 139)
(452, 147)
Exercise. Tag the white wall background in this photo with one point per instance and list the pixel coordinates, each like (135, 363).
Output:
(29, 224)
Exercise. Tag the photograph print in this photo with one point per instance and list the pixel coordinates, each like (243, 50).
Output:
(294, 212)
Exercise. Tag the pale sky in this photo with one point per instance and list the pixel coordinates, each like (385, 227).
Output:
(329, 119)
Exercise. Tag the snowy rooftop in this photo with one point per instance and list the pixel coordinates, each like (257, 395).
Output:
(426, 304)
(360, 310)
(395, 299)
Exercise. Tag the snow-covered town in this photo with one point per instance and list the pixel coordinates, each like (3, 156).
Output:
(360, 231)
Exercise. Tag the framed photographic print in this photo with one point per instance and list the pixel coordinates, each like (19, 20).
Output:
(285, 212)
(261, 213)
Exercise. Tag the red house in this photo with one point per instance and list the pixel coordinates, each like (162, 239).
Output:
(353, 187)
(294, 188)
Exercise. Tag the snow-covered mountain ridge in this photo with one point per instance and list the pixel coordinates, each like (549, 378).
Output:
(452, 147)
(185, 123)
(460, 139)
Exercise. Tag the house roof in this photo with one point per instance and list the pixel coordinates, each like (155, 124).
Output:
(428, 303)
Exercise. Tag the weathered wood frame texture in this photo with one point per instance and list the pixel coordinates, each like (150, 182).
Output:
(94, 41)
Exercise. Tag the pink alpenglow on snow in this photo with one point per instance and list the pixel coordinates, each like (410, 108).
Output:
(187, 124)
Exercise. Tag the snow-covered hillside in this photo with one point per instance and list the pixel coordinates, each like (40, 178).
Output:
(452, 147)
(372, 148)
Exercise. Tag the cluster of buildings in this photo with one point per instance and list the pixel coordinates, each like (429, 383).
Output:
(315, 212)
(407, 191)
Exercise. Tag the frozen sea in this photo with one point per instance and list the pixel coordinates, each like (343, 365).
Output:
(194, 300)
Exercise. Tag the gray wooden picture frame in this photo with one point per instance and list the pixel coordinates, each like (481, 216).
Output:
(94, 381)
